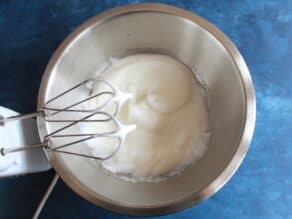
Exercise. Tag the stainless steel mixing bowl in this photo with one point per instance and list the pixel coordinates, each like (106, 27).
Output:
(193, 41)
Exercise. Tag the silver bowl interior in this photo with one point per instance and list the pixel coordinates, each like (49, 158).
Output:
(193, 41)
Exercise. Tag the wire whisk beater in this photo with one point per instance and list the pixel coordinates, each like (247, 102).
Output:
(75, 113)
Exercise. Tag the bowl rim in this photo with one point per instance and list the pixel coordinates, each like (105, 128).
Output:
(248, 129)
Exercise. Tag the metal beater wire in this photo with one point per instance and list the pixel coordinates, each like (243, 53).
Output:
(47, 112)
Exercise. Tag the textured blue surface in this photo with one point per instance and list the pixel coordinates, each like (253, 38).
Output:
(262, 30)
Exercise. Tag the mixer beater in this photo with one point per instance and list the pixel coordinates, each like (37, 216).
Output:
(53, 114)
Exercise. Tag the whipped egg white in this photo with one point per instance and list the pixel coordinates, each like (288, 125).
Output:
(169, 107)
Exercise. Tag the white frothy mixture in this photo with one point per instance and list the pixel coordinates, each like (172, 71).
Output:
(169, 108)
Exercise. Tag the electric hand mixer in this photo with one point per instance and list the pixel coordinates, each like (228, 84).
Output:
(88, 116)
(120, 130)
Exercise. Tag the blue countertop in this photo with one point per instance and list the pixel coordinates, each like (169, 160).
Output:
(262, 30)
